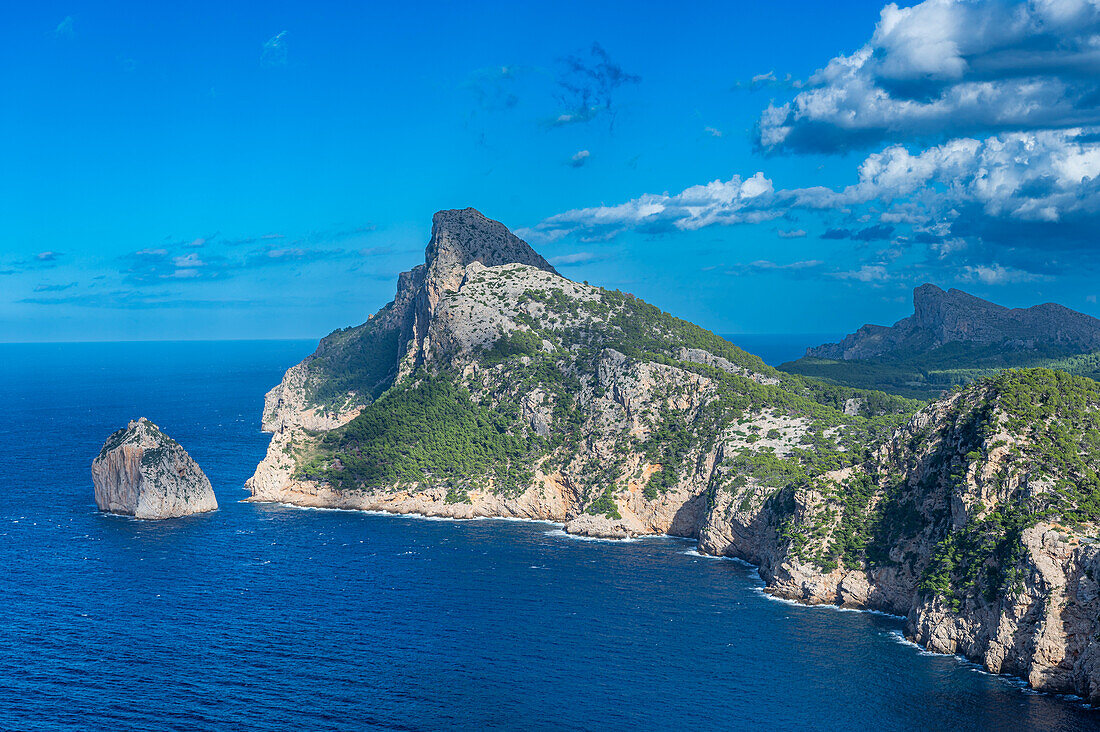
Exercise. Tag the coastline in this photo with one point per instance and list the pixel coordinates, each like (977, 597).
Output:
(762, 589)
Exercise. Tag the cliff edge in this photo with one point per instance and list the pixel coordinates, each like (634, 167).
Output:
(142, 472)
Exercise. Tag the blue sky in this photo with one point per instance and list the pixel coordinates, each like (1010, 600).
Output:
(264, 170)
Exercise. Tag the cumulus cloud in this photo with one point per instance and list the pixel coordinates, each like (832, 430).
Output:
(579, 159)
(750, 200)
(947, 68)
(967, 201)
(1003, 188)
(587, 86)
(791, 233)
(996, 274)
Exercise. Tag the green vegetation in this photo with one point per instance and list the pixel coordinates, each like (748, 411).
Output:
(925, 374)
(426, 431)
(1060, 416)
(1050, 419)
(605, 505)
(982, 559)
(516, 343)
(362, 360)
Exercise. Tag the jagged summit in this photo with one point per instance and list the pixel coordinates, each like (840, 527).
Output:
(463, 236)
(354, 365)
(940, 317)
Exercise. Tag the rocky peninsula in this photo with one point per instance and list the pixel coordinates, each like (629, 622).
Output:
(144, 473)
(493, 386)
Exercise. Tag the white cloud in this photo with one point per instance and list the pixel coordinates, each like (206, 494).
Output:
(995, 274)
(866, 273)
(718, 202)
(579, 158)
(275, 50)
(791, 234)
(950, 67)
(1045, 177)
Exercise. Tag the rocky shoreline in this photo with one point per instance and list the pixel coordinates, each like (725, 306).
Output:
(436, 510)
(927, 521)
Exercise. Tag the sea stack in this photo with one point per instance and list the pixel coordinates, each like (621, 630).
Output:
(144, 473)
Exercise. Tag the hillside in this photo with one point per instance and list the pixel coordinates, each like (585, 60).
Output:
(492, 386)
(954, 338)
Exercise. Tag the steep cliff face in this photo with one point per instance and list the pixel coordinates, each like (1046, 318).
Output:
(979, 521)
(574, 403)
(955, 316)
(516, 392)
(144, 473)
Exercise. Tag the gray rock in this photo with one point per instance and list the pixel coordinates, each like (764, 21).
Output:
(955, 316)
(144, 473)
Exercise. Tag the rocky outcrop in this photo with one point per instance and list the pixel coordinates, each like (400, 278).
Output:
(966, 521)
(955, 316)
(144, 473)
(620, 420)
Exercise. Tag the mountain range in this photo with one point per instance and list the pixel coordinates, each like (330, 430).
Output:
(953, 338)
(493, 386)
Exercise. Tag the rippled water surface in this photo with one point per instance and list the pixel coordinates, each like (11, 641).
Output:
(266, 617)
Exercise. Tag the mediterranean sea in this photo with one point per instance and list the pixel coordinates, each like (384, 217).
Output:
(276, 618)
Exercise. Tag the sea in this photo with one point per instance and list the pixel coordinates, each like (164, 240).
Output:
(269, 617)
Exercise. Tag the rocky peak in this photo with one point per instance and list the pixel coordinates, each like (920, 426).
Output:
(932, 305)
(459, 238)
(940, 317)
(462, 236)
(142, 472)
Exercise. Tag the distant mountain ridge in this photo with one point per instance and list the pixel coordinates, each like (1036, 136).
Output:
(953, 316)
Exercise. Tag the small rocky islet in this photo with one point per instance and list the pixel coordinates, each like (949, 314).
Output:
(144, 473)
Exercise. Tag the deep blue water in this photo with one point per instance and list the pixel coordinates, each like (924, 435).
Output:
(780, 348)
(267, 617)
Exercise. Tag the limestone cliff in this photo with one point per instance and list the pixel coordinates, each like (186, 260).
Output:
(492, 386)
(588, 382)
(978, 521)
(142, 472)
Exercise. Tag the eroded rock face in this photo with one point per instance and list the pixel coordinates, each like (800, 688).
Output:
(144, 473)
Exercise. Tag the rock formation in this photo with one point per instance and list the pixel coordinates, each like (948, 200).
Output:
(492, 386)
(144, 473)
(957, 317)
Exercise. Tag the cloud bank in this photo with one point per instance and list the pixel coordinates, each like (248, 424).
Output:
(949, 68)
